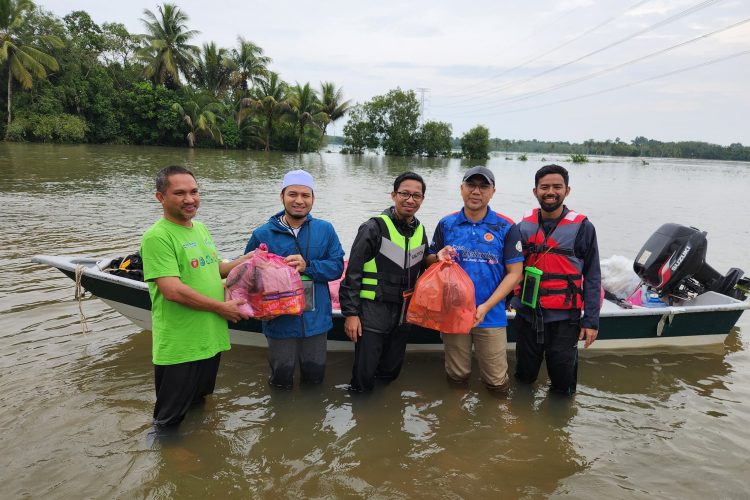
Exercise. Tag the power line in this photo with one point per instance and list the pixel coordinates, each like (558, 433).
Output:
(550, 51)
(512, 99)
(534, 31)
(675, 17)
(638, 82)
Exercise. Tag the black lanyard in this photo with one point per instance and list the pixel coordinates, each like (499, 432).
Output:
(541, 227)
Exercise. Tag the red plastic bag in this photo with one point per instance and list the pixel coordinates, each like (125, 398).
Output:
(443, 299)
(270, 286)
(333, 287)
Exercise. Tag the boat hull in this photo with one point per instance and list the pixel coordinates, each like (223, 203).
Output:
(706, 321)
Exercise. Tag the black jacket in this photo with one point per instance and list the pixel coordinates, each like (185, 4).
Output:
(376, 316)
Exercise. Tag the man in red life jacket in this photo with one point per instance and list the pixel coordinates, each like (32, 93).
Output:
(562, 244)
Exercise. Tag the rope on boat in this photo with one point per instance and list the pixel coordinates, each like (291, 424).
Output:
(79, 293)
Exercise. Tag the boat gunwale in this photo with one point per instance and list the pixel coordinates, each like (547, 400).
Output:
(93, 269)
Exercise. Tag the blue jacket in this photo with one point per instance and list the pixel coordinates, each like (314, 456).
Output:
(321, 249)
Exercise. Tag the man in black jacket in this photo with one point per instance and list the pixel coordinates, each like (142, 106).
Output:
(387, 256)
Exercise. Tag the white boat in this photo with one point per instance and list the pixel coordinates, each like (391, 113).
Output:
(703, 320)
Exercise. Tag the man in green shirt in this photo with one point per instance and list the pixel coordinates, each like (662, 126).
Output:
(188, 311)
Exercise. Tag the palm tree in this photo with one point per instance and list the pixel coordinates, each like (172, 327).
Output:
(270, 101)
(201, 116)
(332, 103)
(305, 108)
(167, 52)
(24, 62)
(248, 64)
(211, 71)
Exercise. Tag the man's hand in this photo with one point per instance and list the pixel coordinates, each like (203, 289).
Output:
(230, 310)
(590, 335)
(353, 327)
(482, 311)
(447, 253)
(297, 262)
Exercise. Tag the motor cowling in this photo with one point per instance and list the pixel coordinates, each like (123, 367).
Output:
(673, 262)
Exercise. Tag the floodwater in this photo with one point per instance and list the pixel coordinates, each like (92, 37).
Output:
(75, 408)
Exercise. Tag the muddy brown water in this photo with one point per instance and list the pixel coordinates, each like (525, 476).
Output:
(75, 409)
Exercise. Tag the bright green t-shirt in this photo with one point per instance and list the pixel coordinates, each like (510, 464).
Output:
(182, 334)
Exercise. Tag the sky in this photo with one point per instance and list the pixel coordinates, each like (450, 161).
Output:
(567, 70)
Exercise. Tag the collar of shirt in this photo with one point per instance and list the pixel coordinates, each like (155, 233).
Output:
(489, 218)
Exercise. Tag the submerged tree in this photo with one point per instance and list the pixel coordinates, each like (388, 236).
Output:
(305, 108)
(359, 132)
(396, 118)
(475, 143)
(270, 101)
(167, 51)
(435, 138)
(332, 103)
(21, 59)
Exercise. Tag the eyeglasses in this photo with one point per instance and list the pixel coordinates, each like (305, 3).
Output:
(405, 196)
(482, 187)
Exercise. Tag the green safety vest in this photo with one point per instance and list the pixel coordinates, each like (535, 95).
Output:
(396, 265)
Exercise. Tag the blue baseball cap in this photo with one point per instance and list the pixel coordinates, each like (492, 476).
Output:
(298, 178)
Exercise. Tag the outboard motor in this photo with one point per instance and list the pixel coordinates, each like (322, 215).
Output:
(673, 262)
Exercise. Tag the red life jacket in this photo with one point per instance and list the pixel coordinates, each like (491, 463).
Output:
(562, 281)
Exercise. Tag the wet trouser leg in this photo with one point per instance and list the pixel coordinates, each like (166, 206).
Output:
(457, 349)
(529, 353)
(312, 358)
(367, 352)
(561, 351)
(392, 357)
(181, 385)
(282, 354)
(490, 347)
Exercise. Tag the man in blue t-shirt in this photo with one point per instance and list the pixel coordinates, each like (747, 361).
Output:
(487, 246)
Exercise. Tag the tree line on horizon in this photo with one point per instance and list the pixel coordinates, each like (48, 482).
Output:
(71, 80)
(640, 146)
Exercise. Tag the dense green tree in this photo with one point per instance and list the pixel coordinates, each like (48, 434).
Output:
(119, 45)
(151, 120)
(270, 101)
(435, 138)
(211, 70)
(396, 117)
(332, 103)
(167, 51)
(19, 57)
(84, 33)
(61, 127)
(305, 109)
(83, 85)
(475, 143)
(360, 133)
(393, 118)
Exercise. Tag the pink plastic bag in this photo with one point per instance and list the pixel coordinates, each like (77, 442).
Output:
(333, 287)
(269, 286)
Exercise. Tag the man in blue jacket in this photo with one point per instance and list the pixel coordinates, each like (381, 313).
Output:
(312, 247)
